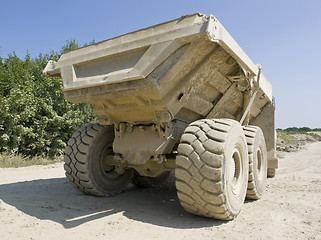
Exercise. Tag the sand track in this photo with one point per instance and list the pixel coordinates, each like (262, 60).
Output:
(39, 203)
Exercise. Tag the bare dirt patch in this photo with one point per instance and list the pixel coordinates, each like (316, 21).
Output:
(39, 203)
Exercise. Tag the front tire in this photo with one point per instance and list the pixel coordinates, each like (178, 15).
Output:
(85, 165)
(212, 168)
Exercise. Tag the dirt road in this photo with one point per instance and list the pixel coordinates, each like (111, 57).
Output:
(38, 203)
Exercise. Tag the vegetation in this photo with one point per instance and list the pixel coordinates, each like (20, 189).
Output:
(8, 160)
(284, 136)
(301, 130)
(35, 120)
(294, 135)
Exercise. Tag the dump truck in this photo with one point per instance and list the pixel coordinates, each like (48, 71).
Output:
(180, 96)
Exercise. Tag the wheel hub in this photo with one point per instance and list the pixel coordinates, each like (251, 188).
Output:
(236, 171)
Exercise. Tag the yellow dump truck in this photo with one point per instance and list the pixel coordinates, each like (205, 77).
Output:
(179, 96)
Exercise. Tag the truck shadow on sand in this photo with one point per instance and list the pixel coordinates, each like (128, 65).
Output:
(56, 200)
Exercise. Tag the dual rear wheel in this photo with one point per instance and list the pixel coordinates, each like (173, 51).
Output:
(219, 164)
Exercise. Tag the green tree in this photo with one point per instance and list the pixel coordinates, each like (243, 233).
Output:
(69, 46)
(90, 43)
(35, 119)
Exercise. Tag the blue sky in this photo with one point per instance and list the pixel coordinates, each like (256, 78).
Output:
(284, 36)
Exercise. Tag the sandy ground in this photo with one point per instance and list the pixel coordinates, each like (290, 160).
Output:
(38, 203)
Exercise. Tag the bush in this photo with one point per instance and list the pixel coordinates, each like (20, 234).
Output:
(34, 117)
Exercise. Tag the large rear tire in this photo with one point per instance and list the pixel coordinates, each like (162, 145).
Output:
(85, 164)
(257, 162)
(212, 168)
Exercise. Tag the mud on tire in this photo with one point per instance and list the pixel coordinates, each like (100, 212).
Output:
(212, 168)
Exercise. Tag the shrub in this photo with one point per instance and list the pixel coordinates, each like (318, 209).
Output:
(34, 117)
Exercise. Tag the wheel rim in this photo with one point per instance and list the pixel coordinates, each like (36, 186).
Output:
(107, 169)
(236, 171)
(259, 167)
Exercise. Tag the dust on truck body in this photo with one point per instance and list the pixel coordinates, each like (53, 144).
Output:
(182, 96)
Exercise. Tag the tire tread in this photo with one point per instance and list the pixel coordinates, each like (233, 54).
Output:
(200, 153)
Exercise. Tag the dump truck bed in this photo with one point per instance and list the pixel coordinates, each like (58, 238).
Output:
(187, 68)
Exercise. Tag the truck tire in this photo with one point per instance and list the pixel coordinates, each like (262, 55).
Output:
(150, 182)
(212, 168)
(84, 165)
(271, 172)
(257, 162)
